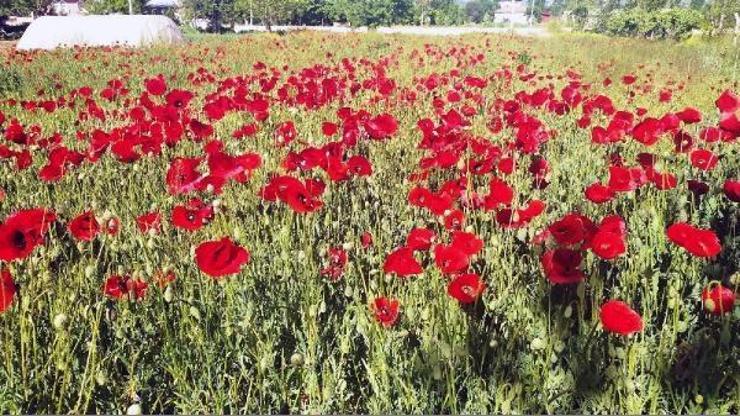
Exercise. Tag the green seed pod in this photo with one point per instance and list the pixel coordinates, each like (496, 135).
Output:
(60, 321)
(195, 313)
(100, 378)
(134, 409)
(297, 360)
(168, 295)
(90, 271)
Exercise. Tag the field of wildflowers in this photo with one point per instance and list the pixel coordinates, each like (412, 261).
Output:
(317, 223)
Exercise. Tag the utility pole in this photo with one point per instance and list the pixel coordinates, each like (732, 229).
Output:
(531, 12)
(130, 7)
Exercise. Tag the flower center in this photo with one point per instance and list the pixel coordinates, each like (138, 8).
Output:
(19, 240)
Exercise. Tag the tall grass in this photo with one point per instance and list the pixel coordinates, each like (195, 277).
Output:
(280, 338)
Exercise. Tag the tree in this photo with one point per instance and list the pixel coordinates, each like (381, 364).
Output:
(721, 13)
(313, 13)
(650, 5)
(370, 12)
(216, 12)
(269, 12)
(23, 7)
(113, 6)
(477, 10)
(442, 12)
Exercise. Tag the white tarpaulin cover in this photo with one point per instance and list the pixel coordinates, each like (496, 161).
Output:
(50, 32)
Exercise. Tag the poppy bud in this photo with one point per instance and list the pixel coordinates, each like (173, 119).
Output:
(195, 313)
(100, 378)
(537, 344)
(718, 300)
(297, 360)
(168, 294)
(59, 321)
(461, 164)
(134, 410)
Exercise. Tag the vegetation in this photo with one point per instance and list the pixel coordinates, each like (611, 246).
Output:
(167, 270)
(662, 23)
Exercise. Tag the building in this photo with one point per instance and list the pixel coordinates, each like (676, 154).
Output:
(66, 8)
(163, 6)
(513, 11)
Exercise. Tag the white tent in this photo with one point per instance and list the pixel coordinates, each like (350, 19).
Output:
(50, 32)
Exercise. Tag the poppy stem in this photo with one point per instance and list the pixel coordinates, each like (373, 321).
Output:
(590, 337)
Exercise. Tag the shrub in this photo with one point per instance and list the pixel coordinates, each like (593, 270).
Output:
(658, 24)
(10, 81)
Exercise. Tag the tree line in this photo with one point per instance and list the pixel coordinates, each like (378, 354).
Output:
(649, 18)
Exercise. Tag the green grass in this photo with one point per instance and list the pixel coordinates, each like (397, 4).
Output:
(215, 347)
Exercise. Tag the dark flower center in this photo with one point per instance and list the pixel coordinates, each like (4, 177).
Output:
(19, 240)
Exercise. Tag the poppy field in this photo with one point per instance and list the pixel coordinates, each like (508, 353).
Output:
(318, 223)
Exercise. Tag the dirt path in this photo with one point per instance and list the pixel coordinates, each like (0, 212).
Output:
(536, 31)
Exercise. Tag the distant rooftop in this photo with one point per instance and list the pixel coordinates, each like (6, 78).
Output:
(512, 7)
(163, 3)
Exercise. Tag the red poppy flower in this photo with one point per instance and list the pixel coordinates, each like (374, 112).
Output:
(562, 266)
(648, 131)
(598, 193)
(381, 127)
(420, 239)
(150, 221)
(469, 243)
(618, 318)
(285, 133)
(402, 262)
(192, 216)
(703, 159)
(698, 188)
(711, 134)
(359, 166)
(120, 287)
(682, 141)
(699, 242)
(661, 181)
(731, 188)
(608, 245)
(7, 290)
(23, 231)
(629, 79)
(689, 115)
(572, 229)
(454, 220)
(386, 311)
(156, 86)
(300, 199)
(366, 239)
(718, 300)
(183, 175)
(329, 129)
(337, 261)
(179, 98)
(450, 258)
(500, 194)
(728, 104)
(84, 227)
(112, 226)
(622, 179)
(220, 257)
(466, 288)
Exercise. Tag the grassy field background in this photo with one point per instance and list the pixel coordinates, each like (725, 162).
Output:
(280, 338)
